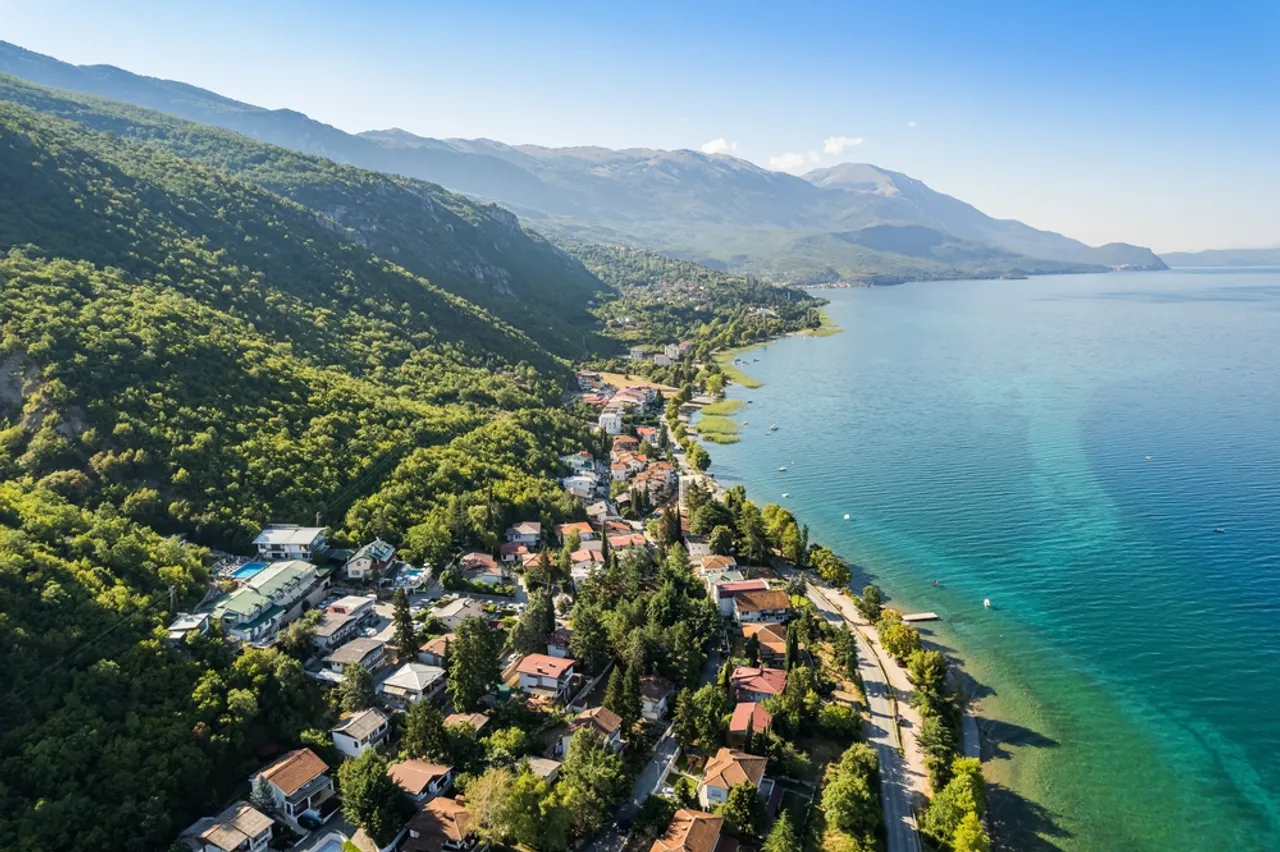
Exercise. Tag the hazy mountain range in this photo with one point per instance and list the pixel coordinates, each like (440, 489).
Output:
(1225, 257)
(848, 221)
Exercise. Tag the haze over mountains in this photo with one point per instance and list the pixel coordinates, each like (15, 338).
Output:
(851, 221)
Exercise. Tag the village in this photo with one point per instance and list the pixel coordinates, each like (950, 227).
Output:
(650, 674)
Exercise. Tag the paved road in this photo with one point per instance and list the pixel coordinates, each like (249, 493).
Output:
(895, 777)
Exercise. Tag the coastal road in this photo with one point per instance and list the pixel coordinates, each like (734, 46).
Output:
(899, 780)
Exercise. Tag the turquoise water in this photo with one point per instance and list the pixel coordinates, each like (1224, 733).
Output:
(1066, 447)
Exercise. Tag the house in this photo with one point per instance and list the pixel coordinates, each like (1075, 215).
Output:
(636, 353)
(673, 350)
(726, 592)
(583, 529)
(299, 783)
(598, 511)
(610, 421)
(716, 562)
(544, 767)
(410, 684)
(772, 605)
(287, 585)
(726, 770)
(757, 684)
(772, 637)
(248, 616)
(619, 472)
(627, 540)
(558, 642)
(334, 629)
(580, 462)
(443, 825)
(370, 653)
(358, 733)
(282, 542)
(623, 444)
(748, 715)
(588, 380)
(370, 560)
(546, 677)
(482, 568)
(435, 651)
(583, 563)
(512, 551)
(655, 694)
(185, 624)
(526, 532)
(694, 831)
(423, 781)
(240, 828)
(477, 721)
(713, 577)
(457, 611)
(647, 433)
(662, 359)
(581, 485)
(358, 607)
(602, 720)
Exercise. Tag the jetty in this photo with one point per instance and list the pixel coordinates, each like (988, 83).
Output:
(920, 616)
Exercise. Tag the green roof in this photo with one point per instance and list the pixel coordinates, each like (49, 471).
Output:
(277, 575)
(241, 602)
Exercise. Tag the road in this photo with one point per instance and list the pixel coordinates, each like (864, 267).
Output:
(900, 781)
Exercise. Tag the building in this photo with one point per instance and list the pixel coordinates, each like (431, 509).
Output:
(694, 831)
(186, 624)
(299, 783)
(606, 723)
(457, 611)
(547, 677)
(748, 715)
(716, 562)
(662, 359)
(544, 767)
(711, 578)
(724, 593)
(584, 530)
(248, 616)
(623, 444)
(772, 605)
(477, 721)
(580, 462)
(423, 781)
(610, 421)
(358, 607)
(358, 733)
(443, 825)
(333, 630)
(479, 567)
(558, 642)
(240, 828)
(370, 653)
(526, 532)
(772, 637)
(370, 561)
(512, 551)
(757, 684)
(588, 380)
(655, 695)
(726, 770)
(582, 485)
(288, 585)
(411, 683)
(584, 563)
(435, 651)
(283, 542)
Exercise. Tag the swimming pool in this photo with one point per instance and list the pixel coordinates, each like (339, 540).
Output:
(247, 570)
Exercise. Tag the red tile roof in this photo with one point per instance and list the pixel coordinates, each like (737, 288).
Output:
(294, 770)
(736, 587)
(731, 767)
(414, 776)
(760, 718)
(762, 681)
(690, 831)
(543, 665)
(761, 601)
(601, 719)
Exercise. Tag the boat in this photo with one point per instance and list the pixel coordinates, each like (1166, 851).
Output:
(786, 493)
(744, 423)
(773, 428)
(781, 468)
(986, 602)
(846, 517)
(1219, 529)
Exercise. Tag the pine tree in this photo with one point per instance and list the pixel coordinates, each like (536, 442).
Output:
(792, 658)
(613, 692)
(261, 797)
(405, 637)
(356, 690)
(631, 706)
(783, 836)
(473, 667)
(424, 735)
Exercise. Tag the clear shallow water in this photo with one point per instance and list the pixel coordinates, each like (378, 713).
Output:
(994, 435)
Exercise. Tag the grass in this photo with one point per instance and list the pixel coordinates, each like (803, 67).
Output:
(827, 328)
(723, 408)
(717, 430)
(725, 360)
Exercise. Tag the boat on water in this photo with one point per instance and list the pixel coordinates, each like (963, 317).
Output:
(773, 428)
(846, 517)
(744, 423)
(786, 493)
(1219, 529)
(986, 602)
(781, 468)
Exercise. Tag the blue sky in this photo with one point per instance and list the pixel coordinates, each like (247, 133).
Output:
(1154, 123)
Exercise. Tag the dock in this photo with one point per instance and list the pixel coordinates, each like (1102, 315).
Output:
(920, 616)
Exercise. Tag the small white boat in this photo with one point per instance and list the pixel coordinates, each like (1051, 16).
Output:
(1148, 458)
(846, 517)
(744, 423)
(773, 428)
(786, 493)
(986, 602)
(1219, 529)
(781, 469)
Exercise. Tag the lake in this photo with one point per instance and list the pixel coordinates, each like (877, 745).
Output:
(1065, 446)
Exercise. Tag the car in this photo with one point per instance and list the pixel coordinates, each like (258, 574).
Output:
(310, 822)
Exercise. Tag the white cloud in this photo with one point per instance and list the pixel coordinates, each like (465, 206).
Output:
(718, 146)
(814, 156)
(838, 144)
(786, 162)
(911, 124)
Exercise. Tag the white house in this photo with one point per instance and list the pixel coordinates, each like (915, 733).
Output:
(581, 485)
(558, 642)
(579, 462)
(725, 592)
(546, 677)
(334, 629)
(655, 694)
(636, 353)
(479, 567)
(358, 607)
(611, 421)
(457, 611)
(726, 770)
(602, 720)
(412, 683)
(761, 606)
(370, 560)
(282, 542)
(672, 350)
(186, 623)
(299, 783)
(528, 533)
(248, 616)
(356, 734)
(363, 651)
(240, 828)
(421, 780)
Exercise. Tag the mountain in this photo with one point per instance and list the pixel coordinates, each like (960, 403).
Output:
(1225, 257)
(714, 209)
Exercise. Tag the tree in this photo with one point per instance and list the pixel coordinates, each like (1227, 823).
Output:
(506, 745)
(529, 636)
(295, 640)
(844, 652)
(631, 704)
(831, 568)
(782, 837)
(752, 650)
(356, 690)
(710, 704)
(752, 542)
(709, 515)
(473, 667)
(871, 603)
(405, 636)
(540, 572)
(685, 718)
(850, 798)
(898, 638)
(487, 798)
(792, 657)
(260, 795)
(721, 540)
(743, 811)
(430, 543)
(592, 780)
(970, 835)
(589, 643)
(934, 739)
(965, 793)
(371, 799)
(928, 673)
(424, 735)
(614, 691)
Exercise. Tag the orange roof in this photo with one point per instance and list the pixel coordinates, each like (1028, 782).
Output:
(579, 527)
(717, 563)
(763, 681)
(475, 720)
(603, 720)
(542, 665)
(628, 540)
(690, 831)
(760, 718)
(477, 560)
(294, 770)
(731, 767)
(770, 634)
(438, 645)
(732, 588)
(414, 776)
(760, 601)
(579, 556)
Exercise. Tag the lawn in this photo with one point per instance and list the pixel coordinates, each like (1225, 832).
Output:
(723, 408)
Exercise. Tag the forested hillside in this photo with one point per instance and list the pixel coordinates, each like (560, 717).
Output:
(477, 251)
